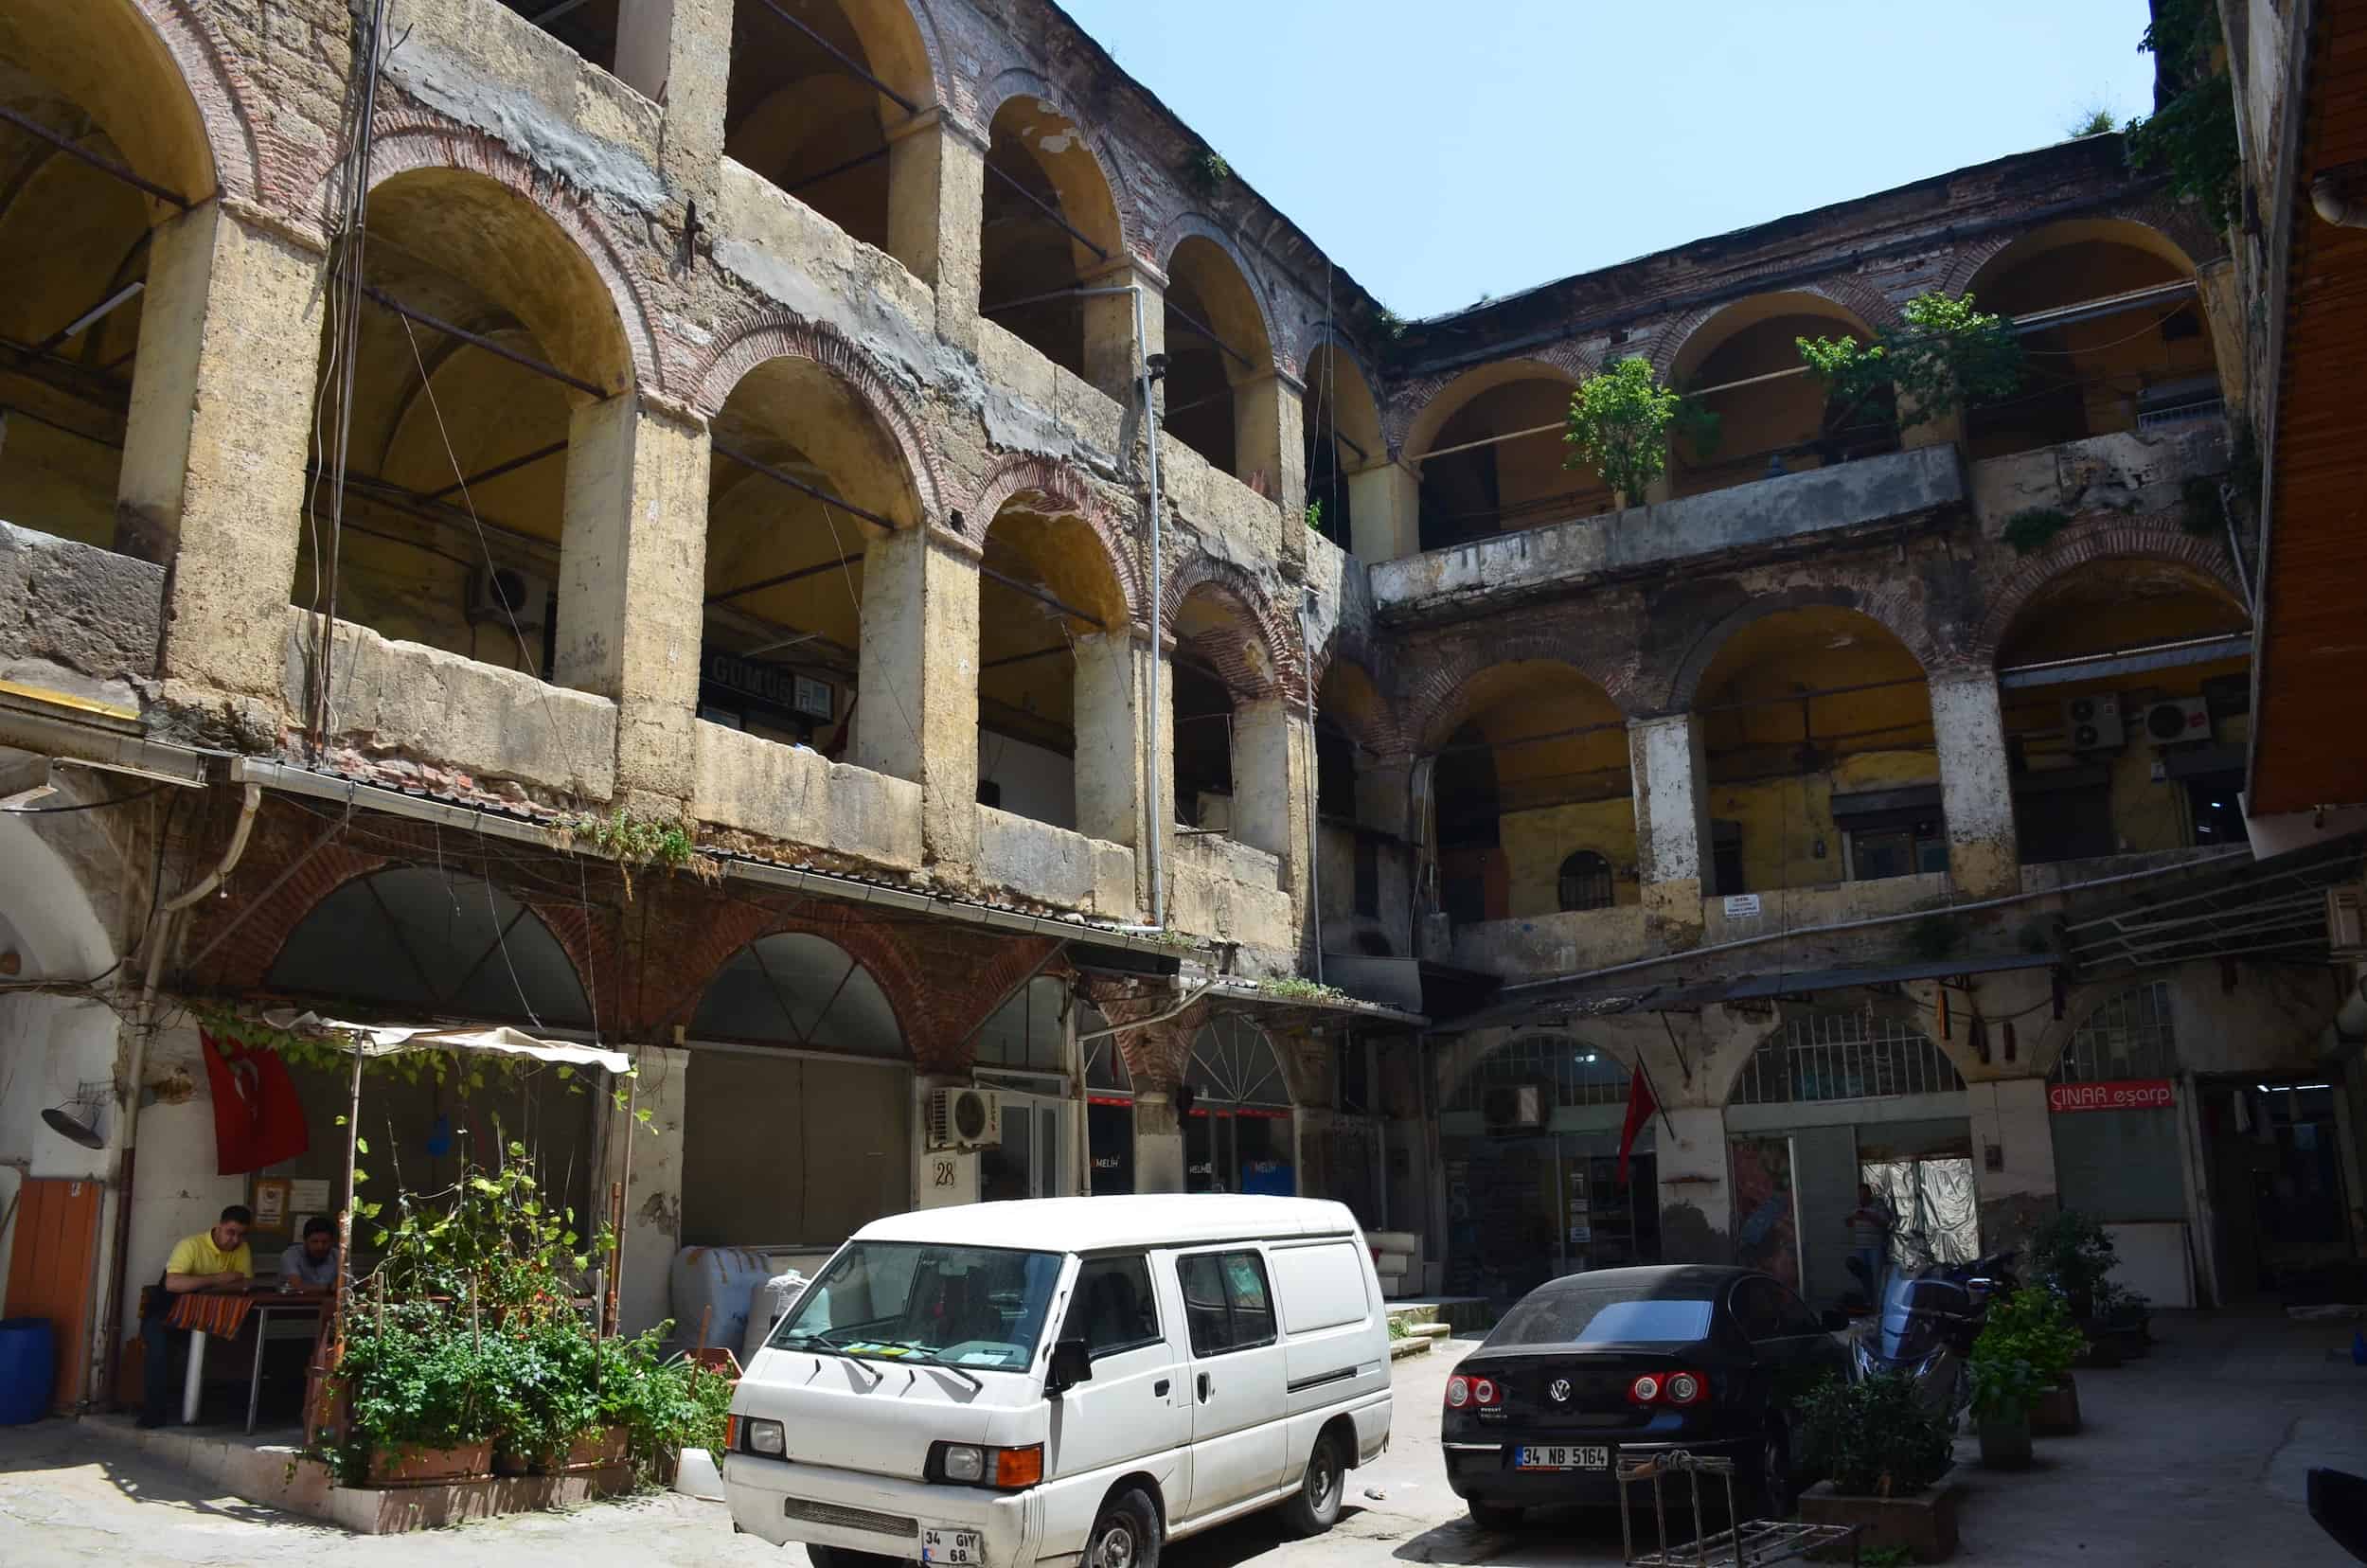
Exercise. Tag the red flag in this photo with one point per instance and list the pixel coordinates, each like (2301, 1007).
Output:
(1640, 1108)
(258, 1118)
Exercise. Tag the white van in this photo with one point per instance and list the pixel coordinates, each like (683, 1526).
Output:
(1005, 1384)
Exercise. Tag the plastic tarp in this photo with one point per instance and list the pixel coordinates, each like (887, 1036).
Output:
(380, 1040)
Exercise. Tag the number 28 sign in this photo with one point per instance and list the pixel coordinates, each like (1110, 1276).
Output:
(2113, 1095)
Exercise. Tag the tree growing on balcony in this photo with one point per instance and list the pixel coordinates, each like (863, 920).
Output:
(1620, 422)
(1947, 356)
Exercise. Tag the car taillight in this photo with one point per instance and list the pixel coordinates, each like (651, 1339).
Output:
(1486, 1393)
(1458, 1392)
(1672, 1388)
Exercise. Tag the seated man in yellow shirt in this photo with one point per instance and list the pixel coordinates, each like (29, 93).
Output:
(211, 1259)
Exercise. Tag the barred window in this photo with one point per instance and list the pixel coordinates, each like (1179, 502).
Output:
(1585, 882)
(2126, 1035)
(1581, 1074)
(1841, 1057)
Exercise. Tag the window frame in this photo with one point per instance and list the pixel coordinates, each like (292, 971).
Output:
(1158, 1335)
(1218, 1255)
(1589, 870)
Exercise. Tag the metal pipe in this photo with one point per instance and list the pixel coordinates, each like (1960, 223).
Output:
(843, 167)
(99, 311)
(721, 596)
(1019, 585)
(1155, 826)
(1314, 785)
(2126, 661)
(1195, 994)
(1047, 209)
(388, 302)
(1209, 333)
(832, 50)
(781, 478)
(528, 460)
(105, 165)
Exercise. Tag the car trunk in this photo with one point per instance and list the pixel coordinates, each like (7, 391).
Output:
(1599, 1379)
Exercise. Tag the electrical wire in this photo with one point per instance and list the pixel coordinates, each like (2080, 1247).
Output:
(86, 806)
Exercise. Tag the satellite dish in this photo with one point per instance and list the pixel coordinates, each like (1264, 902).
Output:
(67, 1125)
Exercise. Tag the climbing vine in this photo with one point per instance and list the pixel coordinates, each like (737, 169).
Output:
(2191, 137)
(630, 840)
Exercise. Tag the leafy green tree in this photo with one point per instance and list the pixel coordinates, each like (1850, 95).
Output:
(1947, 356)
(1620, 423)
(2191, 134)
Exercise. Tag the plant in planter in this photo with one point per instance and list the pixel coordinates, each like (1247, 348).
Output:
(1885, 1457)
(2020, 1374)
(2004, 1387)
(423, 1401)
(2072, 1253)
(2126, 1315)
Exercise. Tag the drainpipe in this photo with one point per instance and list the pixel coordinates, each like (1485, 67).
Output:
(2330, 195)
(1189, 997)
(160, 939)
(1314, 826)
(1157, 827)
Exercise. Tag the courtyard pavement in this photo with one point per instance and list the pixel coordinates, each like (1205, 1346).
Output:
(2193, 1456)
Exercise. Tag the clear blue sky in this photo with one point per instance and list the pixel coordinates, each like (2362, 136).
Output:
(1440, 151)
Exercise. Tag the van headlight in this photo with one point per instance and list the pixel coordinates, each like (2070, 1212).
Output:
(964, 1464)
(765, 1438)
(971, 1465)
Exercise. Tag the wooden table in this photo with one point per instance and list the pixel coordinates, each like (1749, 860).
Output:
(206, 1314)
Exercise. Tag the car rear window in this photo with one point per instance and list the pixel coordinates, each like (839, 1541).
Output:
(1602, 1316)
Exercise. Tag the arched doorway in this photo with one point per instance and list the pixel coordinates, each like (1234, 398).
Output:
(797, 1114)
(1743, 365)
(1241, 1134)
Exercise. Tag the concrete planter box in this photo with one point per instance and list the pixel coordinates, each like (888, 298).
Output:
(2056, 1413)
(409, 1466)
(1924, 1523)
(2005, 1442)
(599, 1448)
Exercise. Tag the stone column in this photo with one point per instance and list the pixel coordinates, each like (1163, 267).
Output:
(2010, 1126)
(1110, 358)
(1112, 672)
(937, 204)
(1259, 400)
(212, 478)
(631, 585)
(1289, 469)
(1384, 513)
(1158, 1144)
(1271, 757)
(1672, 831)
(919, 681)
(1384, 798)
(2220, 292)
(654, 1197)
(1696, 1193)
(1976, 785)
(678, 54)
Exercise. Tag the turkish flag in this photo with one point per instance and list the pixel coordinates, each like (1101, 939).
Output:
(259, 1119)
(1640, 1108)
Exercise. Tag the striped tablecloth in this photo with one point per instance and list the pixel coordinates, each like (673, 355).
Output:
(221, 1314)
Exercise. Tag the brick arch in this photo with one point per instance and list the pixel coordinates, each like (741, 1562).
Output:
(1236, 586)
(759, 334)
(1892, 605)
(1319, 334)
(1415, 404)
(1012, 81)
(1026, 474)
(2172, 222)
(249, 164)
(1379, 735)
(2113, 537)
(409, 138)
(729, 926)
(1429, 710)
(1190, 224)
(1872, 307)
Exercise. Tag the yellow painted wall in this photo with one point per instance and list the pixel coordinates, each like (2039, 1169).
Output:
(1783, 819)
(1536, 843)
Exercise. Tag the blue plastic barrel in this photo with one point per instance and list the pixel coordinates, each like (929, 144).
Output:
(28, 1369)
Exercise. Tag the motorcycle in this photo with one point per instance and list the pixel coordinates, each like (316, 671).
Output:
(1931, 1312)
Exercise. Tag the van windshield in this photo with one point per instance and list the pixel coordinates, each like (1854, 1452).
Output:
(910, 1301)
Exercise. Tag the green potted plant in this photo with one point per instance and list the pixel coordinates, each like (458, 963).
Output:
(2004, 1387)
(422, 1407)
(2021, 1373)
(2126, 1317)
(1886, 1458)
(2072, 1253)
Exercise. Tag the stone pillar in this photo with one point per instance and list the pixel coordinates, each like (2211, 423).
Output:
(1112, 672)
(678, 54)
(1385, 797)
(1384, 513)
(632, 585)
(1976, 784)
(936, 205)
(2220, 291)
(1696, 1193)
(1289, 469)
(1272, 755)
(1158, 1144)
(1110, 358)
(212, 478)
(654, 1197)
(1260, 400)
(1930, 432)
(2010, 1127)
(919, 681)
(1672, 829)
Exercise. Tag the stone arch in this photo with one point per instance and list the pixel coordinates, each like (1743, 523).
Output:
(1871, 307)
(2098, 539)
(1197, 225)
(1430, 710)
(1892, 606)
(1061, 488)
(760, 336)
(410, 140)
(1420, 420)
(2136, 224)
(1016, 81)
(1373, 726)
(1234, 586)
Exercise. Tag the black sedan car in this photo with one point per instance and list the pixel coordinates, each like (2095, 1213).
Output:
(1626, 1360)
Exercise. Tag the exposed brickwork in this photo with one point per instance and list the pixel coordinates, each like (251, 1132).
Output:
(251, 165)
(1871, 310)
(2112, 538)
(1056, 487)
(1260, 658)
(1433, 703)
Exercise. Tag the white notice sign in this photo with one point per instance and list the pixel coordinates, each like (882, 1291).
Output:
(1742, 906)
(308, 1195)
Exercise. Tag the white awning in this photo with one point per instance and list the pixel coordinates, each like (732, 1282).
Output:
(379, 1039)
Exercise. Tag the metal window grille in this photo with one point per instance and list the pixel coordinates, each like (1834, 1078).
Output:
(1586, 882)
(1843, 1057)
(2127, 1036)
(1581, 1074)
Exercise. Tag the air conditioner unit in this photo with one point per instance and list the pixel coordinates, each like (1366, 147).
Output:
(506, 594)
(2094, 722)
(2177, 721)
(1509, 1106)
(964, 1118)
(2346, 921)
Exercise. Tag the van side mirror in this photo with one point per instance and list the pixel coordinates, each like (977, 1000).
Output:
(1071, 1363)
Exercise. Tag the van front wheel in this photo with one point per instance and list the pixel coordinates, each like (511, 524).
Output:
(1126, 1535)
(1322, 1490)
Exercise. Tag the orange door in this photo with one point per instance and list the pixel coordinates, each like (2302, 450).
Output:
(52, 1270)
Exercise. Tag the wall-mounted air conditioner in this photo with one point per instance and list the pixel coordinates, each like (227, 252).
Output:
(964, 1118)
(2177, 721)
(2093, 722)
(506, 594)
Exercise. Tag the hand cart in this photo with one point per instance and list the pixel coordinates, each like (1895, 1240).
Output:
(1744, 1544)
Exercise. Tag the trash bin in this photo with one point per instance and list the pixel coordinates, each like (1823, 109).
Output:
(28, 1369)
